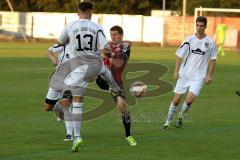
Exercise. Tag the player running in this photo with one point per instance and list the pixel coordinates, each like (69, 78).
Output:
(117, 64)
(83, 40)
(193, 55)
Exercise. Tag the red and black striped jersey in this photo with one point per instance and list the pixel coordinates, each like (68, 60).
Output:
(121, 53)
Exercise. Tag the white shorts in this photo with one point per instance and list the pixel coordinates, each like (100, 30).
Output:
(77, 77)
(75, 74)
(53, 94)
(183, 84)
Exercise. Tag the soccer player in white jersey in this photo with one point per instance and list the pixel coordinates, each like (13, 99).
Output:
(63, 108)
(83, 40)
(191, 67)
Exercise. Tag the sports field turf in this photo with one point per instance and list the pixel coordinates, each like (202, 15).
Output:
(27, 132)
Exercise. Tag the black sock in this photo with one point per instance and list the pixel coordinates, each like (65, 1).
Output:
(126, 122)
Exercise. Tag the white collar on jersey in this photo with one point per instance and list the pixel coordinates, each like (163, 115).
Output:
(201, 38)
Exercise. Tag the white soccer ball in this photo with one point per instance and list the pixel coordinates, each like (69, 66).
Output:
(138, 89)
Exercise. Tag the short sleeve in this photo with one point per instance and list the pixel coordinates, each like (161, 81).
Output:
(63, 38)
(183, 50)
(102, 41)
(213, 53)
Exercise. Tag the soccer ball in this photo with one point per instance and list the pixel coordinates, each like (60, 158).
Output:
(138, 89)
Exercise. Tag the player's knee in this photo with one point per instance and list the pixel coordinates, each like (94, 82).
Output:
(122, 108)
(48, 107)
(49, 104)
(122, 105)
(78, 99)
(189, 102)
(66, 103)
(175, 102)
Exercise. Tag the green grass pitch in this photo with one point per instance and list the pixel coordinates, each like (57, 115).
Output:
(27, 132)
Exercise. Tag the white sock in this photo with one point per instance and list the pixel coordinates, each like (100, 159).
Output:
(77, 108)
(76, 128)
(185, 108)
(77, 118)
(69, 127)
(171, 111)
(68, 120)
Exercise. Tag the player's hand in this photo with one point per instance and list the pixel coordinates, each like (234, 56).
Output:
(208, 80)
(175, 75)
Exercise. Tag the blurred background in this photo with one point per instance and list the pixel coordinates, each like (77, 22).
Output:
(149, 21)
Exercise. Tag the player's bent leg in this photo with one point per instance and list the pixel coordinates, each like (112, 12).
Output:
(65, 101)
(190, 98)
(78, 82)
(106, 75)
(122, 105)
(66, 104)
(51, 99)
(176, 99)
(180, 88)
(68, 118)
(172, 110)
(49, 107)
(58, 109)
(185, 107)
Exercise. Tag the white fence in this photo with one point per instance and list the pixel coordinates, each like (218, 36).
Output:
(49, 25)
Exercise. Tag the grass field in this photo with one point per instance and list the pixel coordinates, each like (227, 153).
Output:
(27, 132)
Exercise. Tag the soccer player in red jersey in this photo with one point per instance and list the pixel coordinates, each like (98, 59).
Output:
(120, 55)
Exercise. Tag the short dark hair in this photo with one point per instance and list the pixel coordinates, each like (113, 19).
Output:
(117, 28)
(202, 19)
(84, 6)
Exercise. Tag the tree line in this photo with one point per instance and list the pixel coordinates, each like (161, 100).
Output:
(142, 7)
